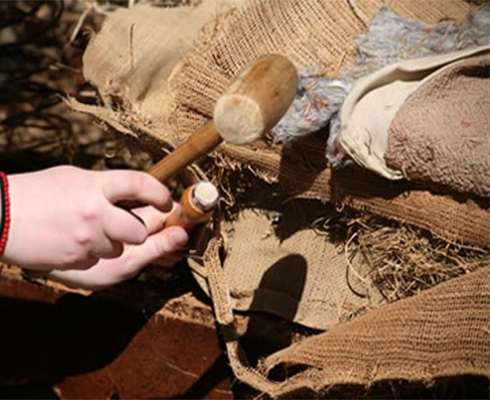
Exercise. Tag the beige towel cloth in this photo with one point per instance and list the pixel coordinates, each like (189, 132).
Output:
(441, 134)
(375, 101)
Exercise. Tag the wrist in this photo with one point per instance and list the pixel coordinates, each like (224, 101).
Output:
(4, 212)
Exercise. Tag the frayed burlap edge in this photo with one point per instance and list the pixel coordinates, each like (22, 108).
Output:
(191, 97)
(302, 168)
(387, 343)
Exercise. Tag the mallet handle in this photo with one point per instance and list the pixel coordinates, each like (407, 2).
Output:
(254, 102)
(196, 206)
(199, 144)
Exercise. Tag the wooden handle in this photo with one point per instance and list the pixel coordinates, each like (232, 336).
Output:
(196, 205)
(197, 145)
(255, 101)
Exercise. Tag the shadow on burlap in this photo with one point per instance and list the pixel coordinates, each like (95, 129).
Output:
(264, 253)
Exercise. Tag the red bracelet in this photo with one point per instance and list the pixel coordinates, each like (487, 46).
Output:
(5, 213)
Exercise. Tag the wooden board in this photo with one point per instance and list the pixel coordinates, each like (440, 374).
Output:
(139, 340)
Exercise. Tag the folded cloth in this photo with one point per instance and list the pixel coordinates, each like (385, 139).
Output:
(375, 101)
(441, 133)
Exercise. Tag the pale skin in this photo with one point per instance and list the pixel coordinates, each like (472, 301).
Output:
(65, 220)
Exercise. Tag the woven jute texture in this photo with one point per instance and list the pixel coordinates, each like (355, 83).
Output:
(141, 102)
(291, 271)
(426, 327)
(410, 339)
(409, 344)
(131, 59)
(441, 332)
(309, 33)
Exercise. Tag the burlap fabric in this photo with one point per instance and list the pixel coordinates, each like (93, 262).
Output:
(309, 33)
(441, 332)
(289, 269)
(387, 343)
(315, 292)
(140, 101)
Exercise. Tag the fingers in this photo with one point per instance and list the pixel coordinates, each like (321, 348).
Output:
(163, 247)
(135, 226)
(170, 259)
(165, 244)
(88, 279)
(153, 219)
(122, 226)
(121, 185)
(106, 249)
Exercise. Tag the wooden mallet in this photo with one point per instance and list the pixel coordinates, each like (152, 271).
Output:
(253, 103)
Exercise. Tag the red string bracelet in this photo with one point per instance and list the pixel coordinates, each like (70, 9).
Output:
(5, 211)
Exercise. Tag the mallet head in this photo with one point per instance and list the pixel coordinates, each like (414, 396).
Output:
(256, 100)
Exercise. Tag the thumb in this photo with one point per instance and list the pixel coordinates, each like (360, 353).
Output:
(156, 247)
(164, 242)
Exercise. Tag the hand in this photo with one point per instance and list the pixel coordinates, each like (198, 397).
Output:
(162, 247)
(66, 218)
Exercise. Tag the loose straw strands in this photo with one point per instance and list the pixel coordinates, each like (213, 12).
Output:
(401, 260)
(405, 260)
